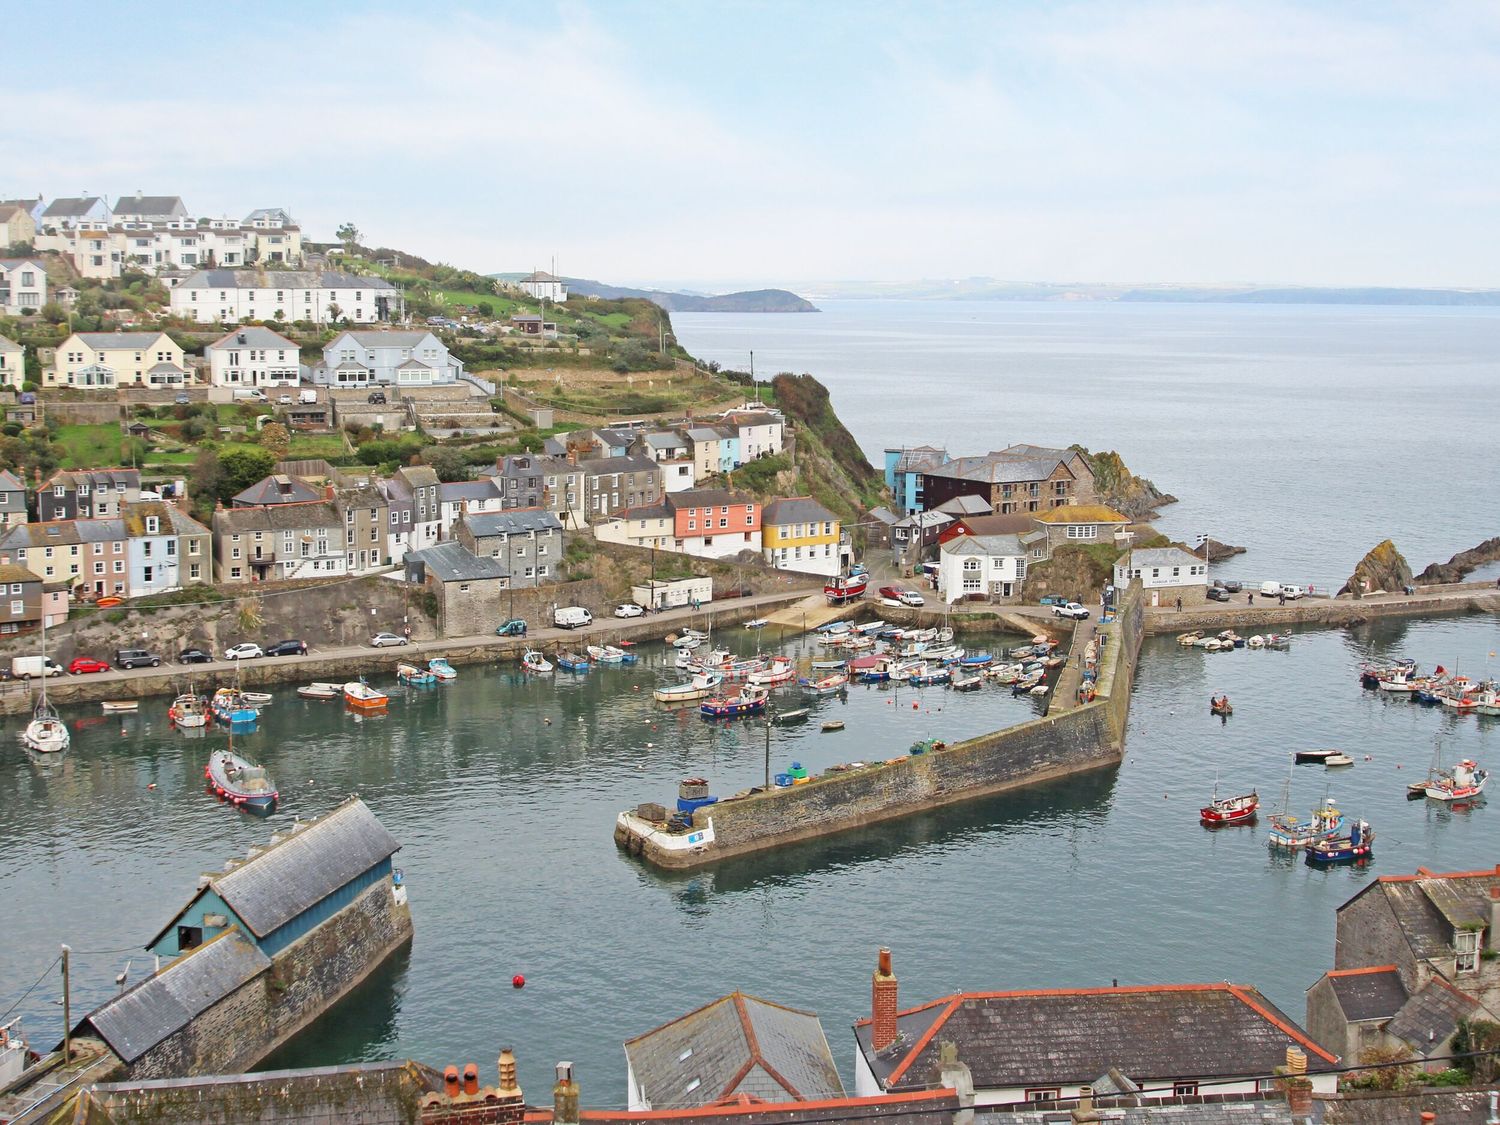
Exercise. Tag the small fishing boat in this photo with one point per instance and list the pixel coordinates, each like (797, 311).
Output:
(440, 668)
(256, 698)
(572, 662)
(1288, 831)
(742, 669)
(1229, 810)
(120, 706)
(188, 710)
(362, 697)
(1220, 706)
(1278, 640)
(1343, 849)
(845, 588)
(686, 661)
(1256, 641)
(1313, 757)
(619, 655)
(751, 700)
(534, 661)
(688, 638)
(601, 655)
(701, 686)
(46, 733)
(243, 785)
(230, 708)
(828, 685)
(833, 725)
(962, 682)
(1337, 761)
(928, 676)
(757, 623)
(779, 671)
(411, 675)
(320, 691)
(1465, 782)
(977, 660)
(1187, 640)
(787, 718)
(1005, 673)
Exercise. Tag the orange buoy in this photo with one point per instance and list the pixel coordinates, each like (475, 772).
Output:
(152, 785)
(913, 706)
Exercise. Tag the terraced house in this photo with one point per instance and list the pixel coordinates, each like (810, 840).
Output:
(1019, 478)
(322, 297)
(90, 556)
(107, 360)
(279, 542)
(12, 364)
(800, 534)
(527, 542)
(87, 493)
(166, 549)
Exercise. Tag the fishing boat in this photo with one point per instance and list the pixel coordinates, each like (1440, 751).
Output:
(967, 682)
(230, 708)
(621, 654)
(928, 676)
(787, 718)
(243, 785)
(1278, 640)
(686, 661)
(1187, 640)
(411, 675)
(828, 685)
(362, 697)
(601, 655)
(846, 588)
(757, 623)
(1229, 810)
(320, 691)
(1005, 673)
(701, 686)
(779, 671)
(751, 700)
(977, 660)
(1288, 831)
(1343, 849)
(1466, 782)
(742, 669)
(188, 710)
(440, 668)
(1313, 757)
(572, 662)
(120, 706)
(46, 733)
(533, 661)
(1220, 707)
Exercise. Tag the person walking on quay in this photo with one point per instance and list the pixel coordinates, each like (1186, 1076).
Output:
(1179, 605)
(1249, 599)
(1281, 598)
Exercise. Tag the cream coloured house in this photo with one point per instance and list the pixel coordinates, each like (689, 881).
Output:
(12, 364)
(16, 224)
(106, 360)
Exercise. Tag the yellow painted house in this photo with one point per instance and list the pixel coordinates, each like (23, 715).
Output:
(800, 534)
(106, 360)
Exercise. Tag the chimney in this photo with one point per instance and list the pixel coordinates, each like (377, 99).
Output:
(328, 492)
(954, 1074)
(471, 1078)
(1084, 1110)
(565, 1096)
(883, 1004)
(508, 1087)
(450, 1081)
(1298, 1086)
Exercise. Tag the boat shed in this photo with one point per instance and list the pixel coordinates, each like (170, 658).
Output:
(280, 892)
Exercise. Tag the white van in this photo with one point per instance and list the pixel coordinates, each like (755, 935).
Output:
(308, 396)
(571, 617)
(1292, 593)
(25, 667)
(253, 394)
(1270, 589)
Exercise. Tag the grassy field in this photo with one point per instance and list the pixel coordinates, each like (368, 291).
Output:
(90, 446)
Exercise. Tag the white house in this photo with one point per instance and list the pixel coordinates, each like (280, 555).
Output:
(1166, 574)
(12, 364)
(981, 566)
(74, 211)
(107, 360)
(387, 358)
(466, 497)
(760, 432)
(253, 356)
(543, 286)
(23, 286)
(322, 297)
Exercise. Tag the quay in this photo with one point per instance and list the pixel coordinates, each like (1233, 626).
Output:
(1073, 737)
(1265, 615)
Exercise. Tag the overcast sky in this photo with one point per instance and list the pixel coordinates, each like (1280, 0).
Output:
(1315, 143)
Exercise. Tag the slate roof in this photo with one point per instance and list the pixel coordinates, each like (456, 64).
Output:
(301, 869)
(991, 469)
(1228, 1113)
(94, 478)
(278, 488)
(796, 509)
(62, 533)
(1368, 994)
(1431, 1015)
(736, 1044)
(1159, 556)
(252, 336)
(111, 340)
(1080, 513)
(1033, 453)
(376, 338)
(141, 1017)
(9, 482)
(1071, 1037)
(932, 518)
(70, 207)
(453, 562)
(1000, 523)
(630, 463)
(17, 263)
(966, 505)
(454, 491)
(920, 458)
(174, 521)
(149, 205)
(1428, 906)
(702, 433)
(1000, 546)
(517, 521)
(882, 515)
(278, 517)
(707, 498)
(418, 476)
(9, 345)
(280, 279)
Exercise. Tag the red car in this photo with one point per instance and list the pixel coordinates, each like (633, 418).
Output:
(892, 592)
(82, 665)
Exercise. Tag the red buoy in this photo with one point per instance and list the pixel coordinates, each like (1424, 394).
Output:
(518, 981)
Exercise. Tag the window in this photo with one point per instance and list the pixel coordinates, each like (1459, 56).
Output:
(17, 608)
(234, 572)
(194, 571)
(1043, 1094)
(119, 566)
(1083, 531)
(1466, 942)
(1184, 1089)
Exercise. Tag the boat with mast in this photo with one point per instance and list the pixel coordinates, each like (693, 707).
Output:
(239, 782)
(46, 733)
(1292, 832)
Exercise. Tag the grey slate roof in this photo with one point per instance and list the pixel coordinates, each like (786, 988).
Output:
(278, 488)
(377, 338)
(707, 498)
(630, 463)
(54, 533)
(281, 279)
(1062, 1038)
(9, 482)
(1431, 1015)
(452, 491)
(453, 562)
(920, 458)
(966, 505)
(68, 207)
(1000, 546)
(278, 517)
(279, 214)
(737, 1044)
(96, 478)
(418, 476)
(517, 521)
(796, 509)
(301, 870)
(883, 515)
(991, 469)
(97, 340)
(702, 433)
(1369, 995)
(1429, 907)
(149, 205)
(252, 336)
(665, 440)
(140, 1018)
(9, 345)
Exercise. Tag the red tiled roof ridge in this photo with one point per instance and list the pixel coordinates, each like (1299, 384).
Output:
(756, 1058)
(1359, 972)
(927, 1036)
(714, 1111)
(1437, 978)
(1424, 873)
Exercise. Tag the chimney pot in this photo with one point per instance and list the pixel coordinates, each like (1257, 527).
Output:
(565, 1096)
(883, 993)
(471, 1078)
(508, 1087)
(450, 1081)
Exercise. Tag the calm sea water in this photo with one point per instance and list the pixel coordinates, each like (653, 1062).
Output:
(503, 792)
(1304, 433)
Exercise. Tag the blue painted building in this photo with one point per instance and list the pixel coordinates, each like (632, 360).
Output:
(729, 450)
(903, 474)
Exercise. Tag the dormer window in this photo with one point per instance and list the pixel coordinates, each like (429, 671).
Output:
(152, 523)
(1466, 943)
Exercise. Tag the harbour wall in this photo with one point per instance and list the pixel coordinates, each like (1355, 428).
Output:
(1324, 612)
(1071, 739)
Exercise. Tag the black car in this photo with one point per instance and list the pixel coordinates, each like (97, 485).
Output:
(194, 656)
(1229, 584)
(377, 397)
(287, 648)
(136, 658)
(1218, 594)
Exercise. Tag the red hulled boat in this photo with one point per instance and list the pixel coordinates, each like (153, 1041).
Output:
(1229, 810)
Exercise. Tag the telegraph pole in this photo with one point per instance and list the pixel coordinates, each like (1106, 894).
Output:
(68, 1009)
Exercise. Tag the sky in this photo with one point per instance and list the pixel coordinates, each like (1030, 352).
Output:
(769, 143)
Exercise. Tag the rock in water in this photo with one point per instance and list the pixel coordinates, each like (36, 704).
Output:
(1382, 569)
(1460, 565)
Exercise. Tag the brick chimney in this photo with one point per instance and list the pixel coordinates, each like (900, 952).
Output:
(883, 1004)
(565, 1096)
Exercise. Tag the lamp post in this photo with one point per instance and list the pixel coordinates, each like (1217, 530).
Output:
(768, 746)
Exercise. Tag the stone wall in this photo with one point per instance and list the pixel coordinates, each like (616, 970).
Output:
(228, 1036)
(1367, 934)
(1266, 616)
(91, 413)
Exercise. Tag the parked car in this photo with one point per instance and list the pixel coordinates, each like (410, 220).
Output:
(1071, 609)
(515, 627)
(1218, 594)
(245, 650)
(910, 597)
(1233, 585)
(1291, 593)
(1053, 599)
(376, 397)
(83, 665)
(136, 658)
(892, 592)
(628, 609)
(182, 398)
(383, 640)
(194, 656)
(284, 400)
(287, 648)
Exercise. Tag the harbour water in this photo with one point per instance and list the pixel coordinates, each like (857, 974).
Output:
(504, 790)
(1306, 433)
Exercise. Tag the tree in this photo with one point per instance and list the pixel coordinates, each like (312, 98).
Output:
(275, 439)
(242, 468)
(447, 462)
(349, 235)
(206, 479)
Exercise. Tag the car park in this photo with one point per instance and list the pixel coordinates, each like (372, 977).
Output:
(287, 648)
(1270, 589)
(386, 640)
(136, 658)
(252, 394)
(83, 665)
(628, 609)
(1053, 599)
(1218, 594)
(245, 650)
(194, 656)
(515, 627)
(1071, 609)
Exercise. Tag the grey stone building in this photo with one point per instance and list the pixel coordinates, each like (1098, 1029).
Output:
(12, 499)
(468, 587)
(87, 494)
(528, 542)
(613, 484)
(528, 480)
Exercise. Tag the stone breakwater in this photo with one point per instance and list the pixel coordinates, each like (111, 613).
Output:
(1071, 739)
(1266, 616)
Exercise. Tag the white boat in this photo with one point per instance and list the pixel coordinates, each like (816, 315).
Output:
(1466, 782)
(256, 698)
(188, 711)
(1256, 641)
(779, 671)
(534, 661)
(46, 733)
(601, 654)
(701, 686)
(757, 623)
(120, 706)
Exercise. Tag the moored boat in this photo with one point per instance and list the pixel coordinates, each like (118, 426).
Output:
(1341, 848)
(1466, 782)
(757, 623)
(230, 708)
(256, 698)
(701, 686)
(967, 682)
(751, 700)
(363, 697)
(243, 785)
(440, 668)
(779, 671)
(533, 661)
(599, 654)
(572, 662)
(1288, 831)
(320, 691)
(120, 706)
(411, 675)
(188, 710)
(1229, 810)
(1314, 757)
(787, 718)
(845, 588)
(827, 685)
(46, 733)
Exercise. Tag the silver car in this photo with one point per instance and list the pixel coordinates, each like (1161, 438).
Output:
(383, 640)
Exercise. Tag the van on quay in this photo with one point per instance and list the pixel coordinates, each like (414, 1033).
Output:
(25, 667)
(1270, 589)
(571, 617)
(1292, 593)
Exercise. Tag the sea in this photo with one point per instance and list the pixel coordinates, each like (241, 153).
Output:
(503, 789)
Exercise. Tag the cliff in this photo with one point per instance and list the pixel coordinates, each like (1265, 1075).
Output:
(830, 465)
(1383, 568)
(1121, 489)
(1462, 564)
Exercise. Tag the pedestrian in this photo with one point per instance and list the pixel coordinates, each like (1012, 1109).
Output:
(1179, 605)
(1250, 599)
(1282, 598)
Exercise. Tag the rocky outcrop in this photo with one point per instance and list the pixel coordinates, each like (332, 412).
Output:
(1382, 569)
(1214, 551)
(1121, 489)
(1461, 565)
